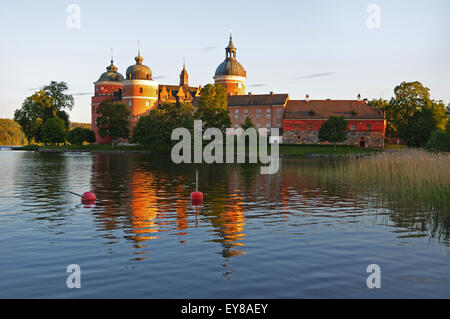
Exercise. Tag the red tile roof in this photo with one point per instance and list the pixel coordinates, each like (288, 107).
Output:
(323, 109)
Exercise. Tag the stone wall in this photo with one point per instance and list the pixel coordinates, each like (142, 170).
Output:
(371, 139)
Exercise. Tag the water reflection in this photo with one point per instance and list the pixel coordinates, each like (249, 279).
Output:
(146, 197)
(286, 230)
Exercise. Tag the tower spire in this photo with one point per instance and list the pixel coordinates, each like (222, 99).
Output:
(112, 67)
(184, 75)
(230, 50)
(139, 58)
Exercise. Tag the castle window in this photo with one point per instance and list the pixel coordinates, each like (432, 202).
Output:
(245, 113)
(258, 113)
(141, 90)
(258, 126)
(236, 126)
(279, 113)
(236, 114)
(147, 103)
(129, 102)
(268, 113)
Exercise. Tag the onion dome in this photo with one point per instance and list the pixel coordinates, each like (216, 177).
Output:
(139, 71)
(230, 66)
(111, 74)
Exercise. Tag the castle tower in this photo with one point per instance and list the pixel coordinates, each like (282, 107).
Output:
(140, 92)
(108, 86)
(230, 72)
(184, 76)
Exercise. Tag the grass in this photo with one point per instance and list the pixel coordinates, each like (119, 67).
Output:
(97, 147)
(294, 150)
(302, 150)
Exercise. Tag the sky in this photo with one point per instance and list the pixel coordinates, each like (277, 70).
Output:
(328, 48)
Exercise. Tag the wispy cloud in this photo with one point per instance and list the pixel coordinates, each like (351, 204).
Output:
(256, 85)
(36, 89)
(158, 77)
(316, 75)
(82, 93)
(208, 48)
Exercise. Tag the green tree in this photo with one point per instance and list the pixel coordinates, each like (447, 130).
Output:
(155, 129)
(54, 131)
(378, 103)
(247, 123)
(418, 129)
(411, 97)
(11, 133)
(114, 120)
(79, 135)
(439, 141)
(334, 130)
(48, 102)
(212, 107)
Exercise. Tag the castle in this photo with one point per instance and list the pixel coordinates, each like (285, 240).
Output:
(298, 120)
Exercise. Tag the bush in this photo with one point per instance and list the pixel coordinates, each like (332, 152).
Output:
(11, 133)
(79, 135)
(54, 131)
(439, 142)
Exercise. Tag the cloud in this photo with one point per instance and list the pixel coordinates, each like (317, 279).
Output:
(208, 48)
(82, 93)
(316, 75)
(36, 89)
(256, 85)
(158, 77)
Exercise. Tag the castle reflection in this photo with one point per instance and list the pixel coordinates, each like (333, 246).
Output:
(146, 197)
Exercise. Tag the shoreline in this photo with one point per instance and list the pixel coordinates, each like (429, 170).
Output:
(293, 152)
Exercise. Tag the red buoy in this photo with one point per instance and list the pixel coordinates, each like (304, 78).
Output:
(88, 197)
(197, 198)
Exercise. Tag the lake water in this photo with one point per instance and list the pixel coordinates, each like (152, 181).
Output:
(257, 236)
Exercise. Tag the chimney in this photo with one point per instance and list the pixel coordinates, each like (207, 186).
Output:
(271, 92)
(307, 97)
(249, 93)
(359, 97)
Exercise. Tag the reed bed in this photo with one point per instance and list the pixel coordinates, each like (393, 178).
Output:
(414, 184)
(412, 176)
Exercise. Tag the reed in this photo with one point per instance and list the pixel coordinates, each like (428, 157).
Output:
(413, 176)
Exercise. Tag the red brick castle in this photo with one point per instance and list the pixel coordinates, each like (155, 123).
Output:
(298, 120)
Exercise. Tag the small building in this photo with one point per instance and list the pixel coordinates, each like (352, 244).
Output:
(303, 119)
(265, 110)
